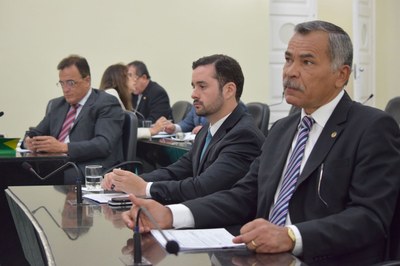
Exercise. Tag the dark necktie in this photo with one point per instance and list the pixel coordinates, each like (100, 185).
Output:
(281, 207)
(68, 122)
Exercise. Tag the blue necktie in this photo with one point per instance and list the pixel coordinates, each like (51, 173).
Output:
(208, 139)
(281, 207)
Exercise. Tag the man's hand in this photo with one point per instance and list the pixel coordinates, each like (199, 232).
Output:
(169, 127)
(159, 125)
(161, 214)
(46, 144)
(128, 182)
(196, 129)
(264, 237)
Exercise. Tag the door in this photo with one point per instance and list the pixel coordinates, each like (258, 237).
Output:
(364, 51)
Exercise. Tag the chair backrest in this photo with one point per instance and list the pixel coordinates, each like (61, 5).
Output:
(294, 109)
(260, 113)
(393, 108)
(129, 136)
(180, 110)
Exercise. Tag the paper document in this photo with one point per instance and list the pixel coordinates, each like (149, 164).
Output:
(102, 197)
(196, 239)
(162, 135)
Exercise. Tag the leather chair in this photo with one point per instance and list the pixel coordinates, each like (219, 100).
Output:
(180, 110)
(260, 113)
(294, 109)
(129, 144)
(393, 108)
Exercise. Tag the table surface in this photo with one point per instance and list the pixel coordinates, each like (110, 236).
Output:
(95, 234)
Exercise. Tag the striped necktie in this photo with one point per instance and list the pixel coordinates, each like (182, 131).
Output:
(68, 122)
(280, 210)
(208, 140)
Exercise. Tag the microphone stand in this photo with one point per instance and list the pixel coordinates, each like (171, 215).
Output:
(171, 247)
(138, 260)
(29, 167)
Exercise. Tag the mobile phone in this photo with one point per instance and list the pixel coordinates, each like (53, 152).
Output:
(120, 201)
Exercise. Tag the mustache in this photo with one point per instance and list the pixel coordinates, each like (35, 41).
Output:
(292, 84)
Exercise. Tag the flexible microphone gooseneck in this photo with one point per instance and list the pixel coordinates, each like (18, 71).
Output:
(139, 113)
(274, 104)
(369, 98)
(28, 166)
(171, 247)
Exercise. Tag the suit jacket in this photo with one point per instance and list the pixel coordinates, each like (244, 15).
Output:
(343, 213)
(154, 103)
(227, 158)
(95, 137)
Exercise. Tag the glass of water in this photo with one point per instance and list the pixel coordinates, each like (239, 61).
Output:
(93, 177)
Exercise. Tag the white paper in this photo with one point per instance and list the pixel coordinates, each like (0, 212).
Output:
(102, 197)
(195, 239)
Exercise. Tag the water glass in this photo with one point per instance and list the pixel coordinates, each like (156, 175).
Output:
(93, 177)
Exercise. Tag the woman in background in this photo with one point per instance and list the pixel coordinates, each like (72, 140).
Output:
(118, 83)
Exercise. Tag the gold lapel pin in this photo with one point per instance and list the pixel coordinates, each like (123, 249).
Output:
(333, 134)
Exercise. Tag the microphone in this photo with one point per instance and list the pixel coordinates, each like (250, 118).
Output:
(369, 98)
(1, 113)
(171, 247)
(27, 166)
(274, 104)
(139, 113)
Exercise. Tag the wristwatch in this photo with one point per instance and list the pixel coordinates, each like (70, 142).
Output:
(292, 236)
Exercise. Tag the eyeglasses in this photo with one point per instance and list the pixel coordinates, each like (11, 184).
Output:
(67, 84)
(135, 77)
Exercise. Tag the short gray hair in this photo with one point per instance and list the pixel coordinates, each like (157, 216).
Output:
(340, 46)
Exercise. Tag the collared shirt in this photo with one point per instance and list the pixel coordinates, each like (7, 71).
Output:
(320, 116)
(81, 104)
(183, 217)
(213, 129)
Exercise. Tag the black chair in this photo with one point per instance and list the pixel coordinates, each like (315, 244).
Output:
(294, 109)
(393, 108)
(180, 110)
(129, 144)
(260, 113)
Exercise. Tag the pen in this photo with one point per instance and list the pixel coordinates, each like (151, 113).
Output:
(321, 171)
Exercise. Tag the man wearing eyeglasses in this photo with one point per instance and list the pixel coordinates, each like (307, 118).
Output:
(149, 99)
(85, 123)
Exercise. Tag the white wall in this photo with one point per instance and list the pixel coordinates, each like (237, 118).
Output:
(167, 35)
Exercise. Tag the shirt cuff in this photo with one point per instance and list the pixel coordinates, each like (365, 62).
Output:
(178, 128)
(182, 216)
(148, 187)
(298, 245)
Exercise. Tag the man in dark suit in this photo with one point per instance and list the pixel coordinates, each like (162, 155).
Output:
(339, 208)
(94, 134)
(149, 99)
(235, 142)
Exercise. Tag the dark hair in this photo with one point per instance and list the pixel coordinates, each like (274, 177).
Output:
(78, 61)
(227, 70)
(340, 46)
(116, 76)
(141, 68)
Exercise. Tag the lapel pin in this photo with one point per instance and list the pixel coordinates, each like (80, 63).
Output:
(333, 134)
